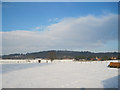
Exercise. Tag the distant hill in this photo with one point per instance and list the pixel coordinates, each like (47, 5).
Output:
(63, 54)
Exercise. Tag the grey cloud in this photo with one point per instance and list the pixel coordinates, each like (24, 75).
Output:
(69, 33)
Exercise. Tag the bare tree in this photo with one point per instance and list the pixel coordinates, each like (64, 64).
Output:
(52, 55)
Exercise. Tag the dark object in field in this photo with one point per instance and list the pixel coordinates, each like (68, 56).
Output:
(114, 64)
(39, 61)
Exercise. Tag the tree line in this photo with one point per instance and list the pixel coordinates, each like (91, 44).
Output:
(63, 54)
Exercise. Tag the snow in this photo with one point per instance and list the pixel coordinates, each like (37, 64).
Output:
(0, 76)
(94, 74)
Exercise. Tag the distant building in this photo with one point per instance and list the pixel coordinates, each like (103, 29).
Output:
(93, 59)
(98, 59)
(113, 58)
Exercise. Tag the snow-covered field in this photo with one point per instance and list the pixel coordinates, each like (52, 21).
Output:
(94, 74)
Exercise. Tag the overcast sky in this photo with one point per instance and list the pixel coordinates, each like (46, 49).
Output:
(33, 27)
